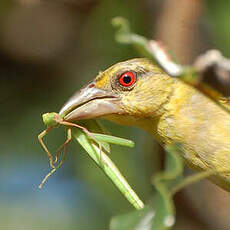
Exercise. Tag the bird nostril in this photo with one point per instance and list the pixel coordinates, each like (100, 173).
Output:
(91, 85)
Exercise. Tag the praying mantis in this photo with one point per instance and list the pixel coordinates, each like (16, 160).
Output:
(95, 144)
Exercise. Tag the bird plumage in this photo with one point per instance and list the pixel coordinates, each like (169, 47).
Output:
(173, 112)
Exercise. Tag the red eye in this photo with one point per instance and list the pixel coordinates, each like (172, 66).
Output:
(127, 79)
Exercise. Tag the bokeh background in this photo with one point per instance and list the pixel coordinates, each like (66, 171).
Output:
(48, 50)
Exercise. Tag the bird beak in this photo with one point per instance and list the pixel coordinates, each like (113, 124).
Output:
(90, 102)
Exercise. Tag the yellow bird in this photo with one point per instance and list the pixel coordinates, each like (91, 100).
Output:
(138, 93)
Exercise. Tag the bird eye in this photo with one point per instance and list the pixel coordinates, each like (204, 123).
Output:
(127, 79)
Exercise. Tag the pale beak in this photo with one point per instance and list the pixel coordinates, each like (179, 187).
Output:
(90, 102)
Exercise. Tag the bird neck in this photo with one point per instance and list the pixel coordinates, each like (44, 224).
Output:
(163, 126)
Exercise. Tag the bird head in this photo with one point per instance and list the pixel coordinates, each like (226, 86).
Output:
(129, 93)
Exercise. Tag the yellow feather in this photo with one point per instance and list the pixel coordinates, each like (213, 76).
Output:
(173, 111)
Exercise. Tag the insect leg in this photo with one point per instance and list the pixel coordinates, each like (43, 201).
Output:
(68, 139)
(40, 139)
(65, 145)
(85, 131)
(66, 123)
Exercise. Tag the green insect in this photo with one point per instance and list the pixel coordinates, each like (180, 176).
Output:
(95, 144)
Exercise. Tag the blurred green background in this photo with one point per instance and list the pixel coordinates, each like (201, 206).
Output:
(48, 50)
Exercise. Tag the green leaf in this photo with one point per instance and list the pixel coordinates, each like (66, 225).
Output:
(136, 220)
(159, 214)
(173, 167)
(155, 216)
